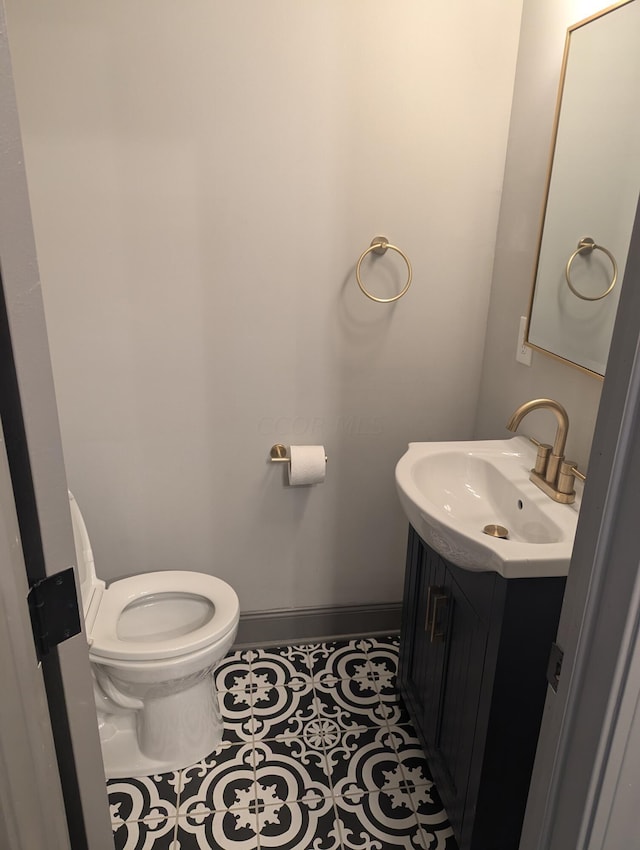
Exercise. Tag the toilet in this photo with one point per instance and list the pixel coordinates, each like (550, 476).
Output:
(154, 641)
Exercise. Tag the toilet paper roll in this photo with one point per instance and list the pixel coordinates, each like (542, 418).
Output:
(308, 465)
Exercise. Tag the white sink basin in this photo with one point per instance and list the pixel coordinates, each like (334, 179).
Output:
(451, 491)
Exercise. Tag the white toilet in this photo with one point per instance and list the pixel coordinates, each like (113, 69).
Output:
(154, 640)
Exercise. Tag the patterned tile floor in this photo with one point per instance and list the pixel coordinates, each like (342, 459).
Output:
(318, 754)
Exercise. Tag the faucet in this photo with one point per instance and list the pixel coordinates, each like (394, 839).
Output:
(553, 474)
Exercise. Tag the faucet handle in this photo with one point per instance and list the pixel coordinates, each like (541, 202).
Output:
(542, 457)
(567, 476)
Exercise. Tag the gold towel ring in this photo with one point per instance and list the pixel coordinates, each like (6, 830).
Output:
(587, 244)
(379, 245)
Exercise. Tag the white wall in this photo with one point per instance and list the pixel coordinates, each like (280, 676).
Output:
(204, 176)
(506, 383)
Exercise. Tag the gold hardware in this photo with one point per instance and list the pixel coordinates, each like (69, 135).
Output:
(427, 622)
(496, 531)
(557, 452)
(577, 473)
(379, 245)
(278, 454)
(542, 458)
(551, 491)
(547, 470)
(586, 246)
(439, 598)
(436, 595)
(567, 476)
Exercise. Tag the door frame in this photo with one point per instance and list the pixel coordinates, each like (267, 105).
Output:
(32, 812)
(38, 482)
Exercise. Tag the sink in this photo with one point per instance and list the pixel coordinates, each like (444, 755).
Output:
(451, 491)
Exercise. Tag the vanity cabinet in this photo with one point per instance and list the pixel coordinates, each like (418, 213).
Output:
(473, 658)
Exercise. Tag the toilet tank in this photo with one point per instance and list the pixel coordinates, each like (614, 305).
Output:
(84, 555)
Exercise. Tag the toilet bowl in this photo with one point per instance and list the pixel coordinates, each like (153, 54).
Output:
(154, 641)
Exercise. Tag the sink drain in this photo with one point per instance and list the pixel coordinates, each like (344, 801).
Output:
(496, 531)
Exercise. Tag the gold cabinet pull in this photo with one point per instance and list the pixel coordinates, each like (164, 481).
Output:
(427, 622)
(436, 599)
(440, 602)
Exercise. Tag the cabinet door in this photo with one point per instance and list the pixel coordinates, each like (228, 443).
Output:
(410, 642)
(423, 644)
(466, 648)
(434, 635)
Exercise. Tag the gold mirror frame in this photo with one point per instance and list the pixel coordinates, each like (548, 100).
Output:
(563, 285)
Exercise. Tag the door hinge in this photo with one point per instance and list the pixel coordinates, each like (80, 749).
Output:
(554, 667)
(53, 605)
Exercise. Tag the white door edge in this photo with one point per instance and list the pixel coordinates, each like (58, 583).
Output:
(32, 803)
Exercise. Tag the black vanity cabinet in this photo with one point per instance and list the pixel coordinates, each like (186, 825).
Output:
(473, 658)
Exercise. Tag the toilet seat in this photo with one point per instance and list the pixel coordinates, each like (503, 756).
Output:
(154, 642)
(182, 613)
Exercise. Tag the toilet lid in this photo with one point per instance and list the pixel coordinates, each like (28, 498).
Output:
(162, 615)
(89, 583)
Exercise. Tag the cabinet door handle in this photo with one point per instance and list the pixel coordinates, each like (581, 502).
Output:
(440, 602)
(435, 595)
(432, 592)
(427, 622)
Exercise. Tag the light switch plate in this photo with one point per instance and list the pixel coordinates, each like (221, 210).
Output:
(523, 352)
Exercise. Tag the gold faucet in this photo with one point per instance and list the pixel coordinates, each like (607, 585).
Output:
(554, 475)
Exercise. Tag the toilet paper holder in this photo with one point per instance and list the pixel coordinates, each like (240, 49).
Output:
(279, 454)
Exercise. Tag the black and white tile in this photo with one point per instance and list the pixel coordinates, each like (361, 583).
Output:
(143, 810)
(318, 752)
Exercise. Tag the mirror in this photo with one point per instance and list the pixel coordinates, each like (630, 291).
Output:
(592, 190)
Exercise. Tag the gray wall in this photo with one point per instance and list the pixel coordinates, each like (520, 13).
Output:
(203, 178)
(506, 383)
(199, 209)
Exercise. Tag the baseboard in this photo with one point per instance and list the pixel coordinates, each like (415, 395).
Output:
(309, 625)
